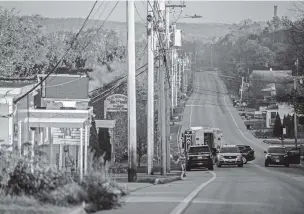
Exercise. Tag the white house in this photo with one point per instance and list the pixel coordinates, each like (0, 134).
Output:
(271, 113)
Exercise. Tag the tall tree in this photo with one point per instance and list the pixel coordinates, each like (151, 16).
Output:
(277, 129)
(285, 122)
(94, 143)
(104, 144)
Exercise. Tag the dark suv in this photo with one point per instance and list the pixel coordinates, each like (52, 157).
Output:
(199, 156)
(247, 153)
(276, 155)
(281, 155)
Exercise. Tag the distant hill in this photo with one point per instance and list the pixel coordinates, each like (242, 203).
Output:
(202, 31)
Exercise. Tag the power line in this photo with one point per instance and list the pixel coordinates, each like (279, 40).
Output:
(100, 27)
(120, 78)
(98, 8)
(90, 40)
(161, 44)
(57, 64)
(138, 12)
(108, 91)
(113, 88)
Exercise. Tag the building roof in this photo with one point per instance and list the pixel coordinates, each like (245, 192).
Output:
(15, 84)
(56, 122)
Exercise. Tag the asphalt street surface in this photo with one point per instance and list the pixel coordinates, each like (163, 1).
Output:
(250, 189)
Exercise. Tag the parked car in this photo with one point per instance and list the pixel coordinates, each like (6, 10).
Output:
(247, 153)
(280, 155)
(199, 156)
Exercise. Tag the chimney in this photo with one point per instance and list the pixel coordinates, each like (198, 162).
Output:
(275, 11)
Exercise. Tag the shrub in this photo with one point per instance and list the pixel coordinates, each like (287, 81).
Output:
(102, 194)
(69, 194)
(31, 179)
(37, 182)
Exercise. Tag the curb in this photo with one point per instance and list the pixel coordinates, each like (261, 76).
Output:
(139, 188)
(301, 166)
(157, 181)
(167, 180)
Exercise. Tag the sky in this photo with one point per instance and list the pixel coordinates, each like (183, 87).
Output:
(211, 11)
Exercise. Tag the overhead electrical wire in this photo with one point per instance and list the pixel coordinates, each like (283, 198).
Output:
(98, 8)
(161, 44)
(120, 78)
(57, 64)
(100, 96)
(117, 84)
(124, 76)
(98, 19)
(101, 26)
(138, 12)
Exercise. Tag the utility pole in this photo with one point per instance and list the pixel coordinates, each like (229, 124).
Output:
(132, 138)
(242, 90)
(164, 132)
(159, 109)
(172, 80)
(294, 105)
(167, 89)
(212, 55)
(295, 114)
(150, 120)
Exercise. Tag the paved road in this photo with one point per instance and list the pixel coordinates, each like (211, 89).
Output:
(251, 189)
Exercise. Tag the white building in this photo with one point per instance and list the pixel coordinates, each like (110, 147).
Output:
(271, 113)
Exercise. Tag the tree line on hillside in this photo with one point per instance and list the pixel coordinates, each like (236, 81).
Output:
(252, 45)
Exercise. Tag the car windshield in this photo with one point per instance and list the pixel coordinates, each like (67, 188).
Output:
(230, 150)
(276, 150)
(199, 149)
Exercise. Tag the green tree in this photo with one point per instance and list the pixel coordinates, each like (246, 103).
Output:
(277, 129)
(285, 122)
(22, 44)
(104, 144)
(94, 143)
(290, 125)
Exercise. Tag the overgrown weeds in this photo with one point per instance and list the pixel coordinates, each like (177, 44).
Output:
(27, 182)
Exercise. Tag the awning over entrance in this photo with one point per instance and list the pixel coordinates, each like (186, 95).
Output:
(57, 122)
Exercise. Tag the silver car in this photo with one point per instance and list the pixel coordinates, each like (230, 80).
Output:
(229, 155)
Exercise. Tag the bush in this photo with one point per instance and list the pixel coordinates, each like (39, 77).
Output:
(37, 183)
(30, 179)
(69, 194)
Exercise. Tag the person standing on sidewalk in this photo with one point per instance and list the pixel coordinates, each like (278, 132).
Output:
(182, 161)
